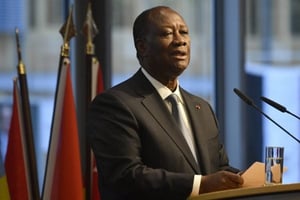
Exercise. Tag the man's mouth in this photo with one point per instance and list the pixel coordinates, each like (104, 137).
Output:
(179, 54)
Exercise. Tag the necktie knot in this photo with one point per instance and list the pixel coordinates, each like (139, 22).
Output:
(173, 98)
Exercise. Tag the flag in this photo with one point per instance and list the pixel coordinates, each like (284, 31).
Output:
(4, 193)
(16, 167)
(63, 179)
(28, 139)
(96, 88)
(94, 85)
(95, 185)
(97, 78)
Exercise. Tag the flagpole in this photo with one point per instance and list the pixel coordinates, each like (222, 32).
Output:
(89, 30)
(67, 31)
(29, 138)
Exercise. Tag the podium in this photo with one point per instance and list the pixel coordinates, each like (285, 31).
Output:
(274, 192)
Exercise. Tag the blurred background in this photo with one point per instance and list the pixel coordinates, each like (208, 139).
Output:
(252, 45)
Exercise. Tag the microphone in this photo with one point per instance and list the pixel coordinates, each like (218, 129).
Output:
(278, 106)
(250, 103)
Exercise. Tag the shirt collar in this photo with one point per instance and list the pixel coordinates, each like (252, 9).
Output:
(162, 90)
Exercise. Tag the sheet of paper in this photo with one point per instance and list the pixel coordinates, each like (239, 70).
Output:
(254, 176)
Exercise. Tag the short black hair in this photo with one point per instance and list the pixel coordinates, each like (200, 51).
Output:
(141, 24)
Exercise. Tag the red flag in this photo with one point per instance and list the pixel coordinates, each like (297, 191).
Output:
(15, 160)
(97, 87)
(97, 78)
(95, 186)
(63, 178)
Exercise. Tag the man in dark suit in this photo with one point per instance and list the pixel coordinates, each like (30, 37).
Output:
(140, 150)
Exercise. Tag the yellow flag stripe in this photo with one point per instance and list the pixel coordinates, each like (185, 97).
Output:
(4, 193)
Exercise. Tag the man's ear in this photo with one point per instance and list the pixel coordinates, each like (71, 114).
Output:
(141, 47)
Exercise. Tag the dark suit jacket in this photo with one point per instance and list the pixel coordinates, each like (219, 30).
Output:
(140, 151)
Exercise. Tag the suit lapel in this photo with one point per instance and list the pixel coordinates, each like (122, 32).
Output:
(196, 116)
(164, 119)
(157, 108)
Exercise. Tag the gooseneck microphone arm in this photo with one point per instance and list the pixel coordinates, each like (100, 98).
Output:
(249, 101)
(278, 106)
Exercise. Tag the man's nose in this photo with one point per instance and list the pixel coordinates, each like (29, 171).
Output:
(179, 39)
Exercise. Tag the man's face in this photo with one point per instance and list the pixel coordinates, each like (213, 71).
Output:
(167, 45)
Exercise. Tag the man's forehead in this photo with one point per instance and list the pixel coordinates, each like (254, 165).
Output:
(163, 13)
(165, 16)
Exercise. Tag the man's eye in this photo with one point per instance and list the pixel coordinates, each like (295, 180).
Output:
(167, 33)
(185, 32)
